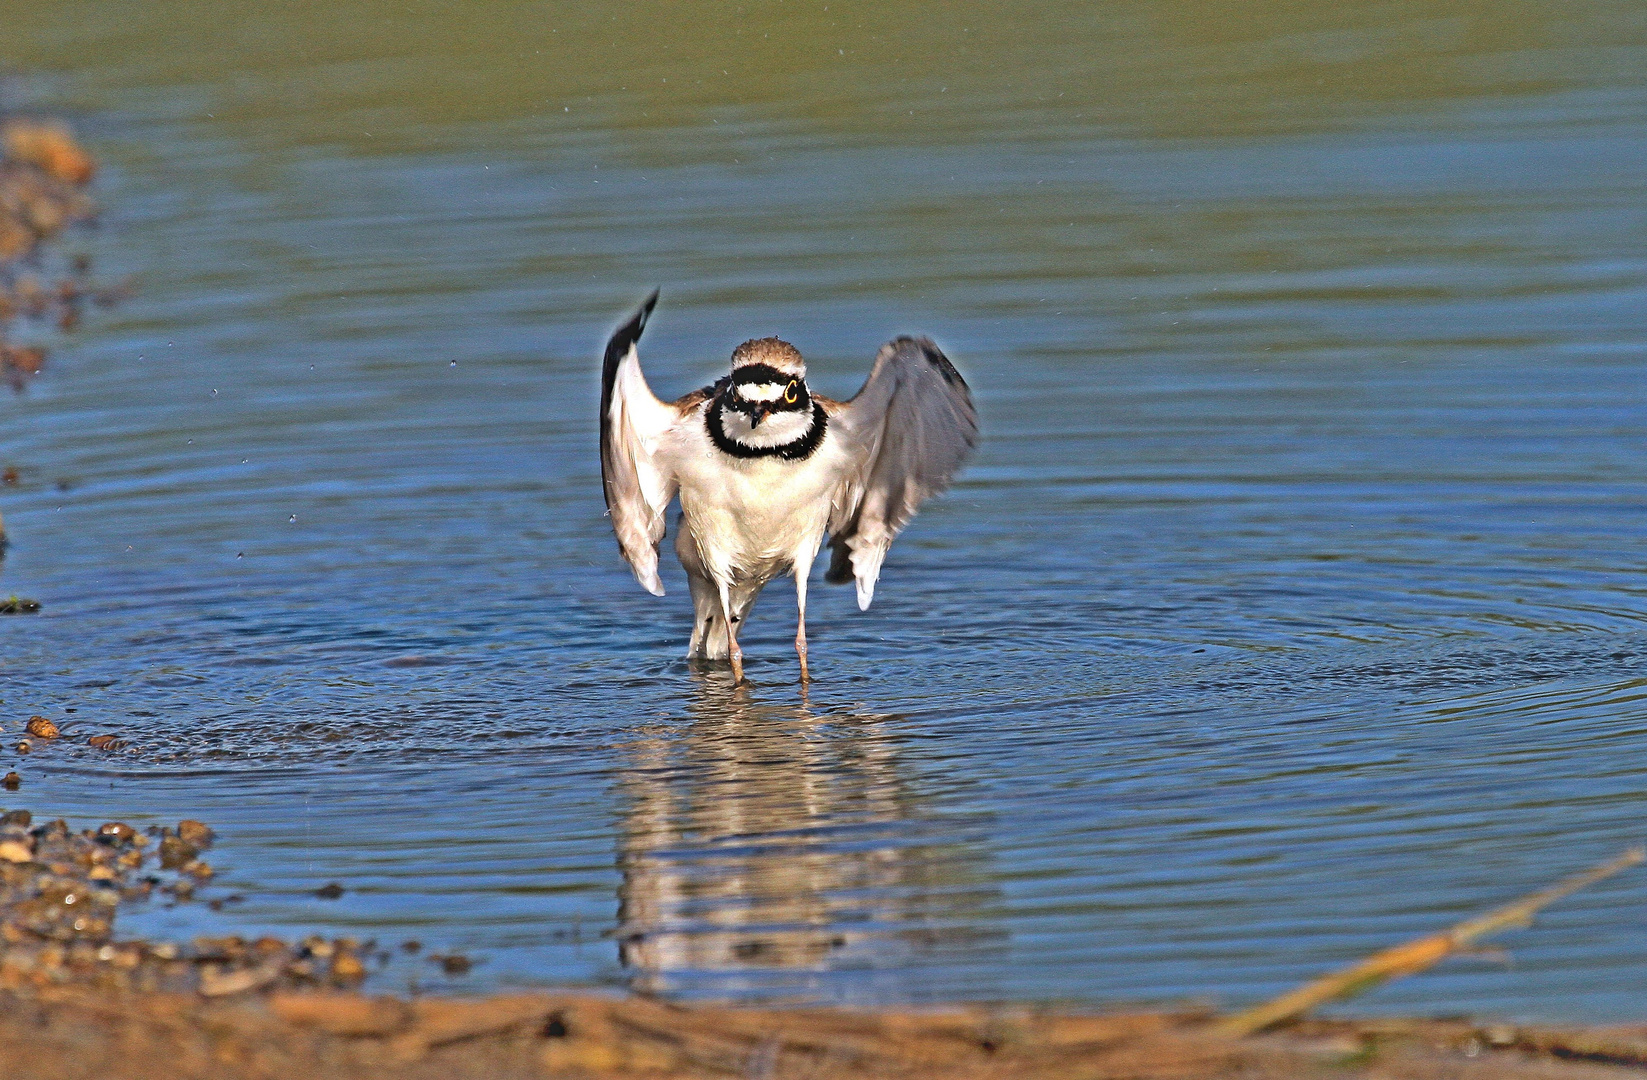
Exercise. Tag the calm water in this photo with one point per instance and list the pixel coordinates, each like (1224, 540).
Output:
(1294, 604)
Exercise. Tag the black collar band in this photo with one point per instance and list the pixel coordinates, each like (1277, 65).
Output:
(799, 450)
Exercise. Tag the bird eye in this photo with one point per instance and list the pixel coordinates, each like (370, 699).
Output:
(790, 393)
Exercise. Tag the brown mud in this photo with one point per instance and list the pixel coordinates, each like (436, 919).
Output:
(76, 1001)
(80, 1030)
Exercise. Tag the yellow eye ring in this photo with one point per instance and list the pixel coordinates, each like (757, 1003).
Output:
(790, 395)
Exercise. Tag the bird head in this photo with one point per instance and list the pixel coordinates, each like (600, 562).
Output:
(763, 407)
(768, 378)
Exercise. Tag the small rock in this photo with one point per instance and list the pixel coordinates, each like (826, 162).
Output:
(174, 852)
(117, 831)
(16, 817)
(105, 742)
(11, 782)
(48, 145)
(194, 833)
(347, 969)
(453, 963)
(330, 891)
(23, 747)
(41, 728)
(15, 851)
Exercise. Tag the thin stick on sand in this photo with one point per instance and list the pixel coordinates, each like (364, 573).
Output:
(1415, 955)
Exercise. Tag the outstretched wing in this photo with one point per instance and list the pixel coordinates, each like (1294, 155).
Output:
(908, 430)
(632, 425)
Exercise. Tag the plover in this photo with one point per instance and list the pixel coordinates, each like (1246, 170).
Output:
(764, 468)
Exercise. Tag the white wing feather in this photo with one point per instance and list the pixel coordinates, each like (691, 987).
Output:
(907, 431)
(638, 482)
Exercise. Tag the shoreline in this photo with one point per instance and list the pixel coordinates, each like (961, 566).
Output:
(76, 1001)
(76, 1030)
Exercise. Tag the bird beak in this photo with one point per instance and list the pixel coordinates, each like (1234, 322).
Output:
(761, 413)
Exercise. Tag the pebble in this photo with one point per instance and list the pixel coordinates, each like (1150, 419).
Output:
(174, 852)
(60, 890)
(452, 963)
(194, 833)
(49, 146)
(41, 728)
(347, 970)
(11, 782)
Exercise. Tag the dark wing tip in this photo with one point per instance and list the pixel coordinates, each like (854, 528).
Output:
(935, 356)
(618, 346)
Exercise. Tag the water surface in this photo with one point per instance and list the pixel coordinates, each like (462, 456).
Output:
(1294, 603)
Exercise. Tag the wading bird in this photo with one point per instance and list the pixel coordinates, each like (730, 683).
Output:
(764, 468)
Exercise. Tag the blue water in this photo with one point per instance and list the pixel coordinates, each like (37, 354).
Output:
(1293, 605)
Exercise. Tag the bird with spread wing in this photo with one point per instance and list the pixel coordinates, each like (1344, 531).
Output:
(764, 468)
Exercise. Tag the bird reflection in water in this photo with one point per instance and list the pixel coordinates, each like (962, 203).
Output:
(778, 851)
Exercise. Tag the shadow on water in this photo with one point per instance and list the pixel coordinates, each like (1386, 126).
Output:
(764, 846)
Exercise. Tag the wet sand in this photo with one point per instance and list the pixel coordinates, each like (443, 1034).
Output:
(78, 1030)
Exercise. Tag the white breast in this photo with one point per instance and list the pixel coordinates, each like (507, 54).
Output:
(778, 429)
(755, 517)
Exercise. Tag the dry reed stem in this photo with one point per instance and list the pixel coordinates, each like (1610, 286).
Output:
(1413, 956)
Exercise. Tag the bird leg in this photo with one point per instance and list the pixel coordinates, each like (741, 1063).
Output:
(733, 653)
(800, 627)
